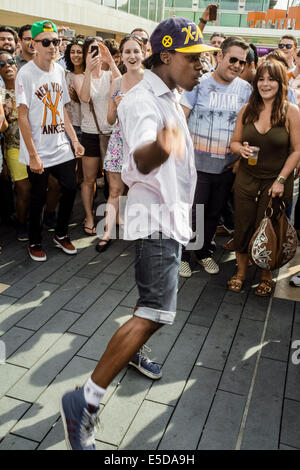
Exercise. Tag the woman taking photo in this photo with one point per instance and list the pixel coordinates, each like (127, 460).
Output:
(75, 66)
(132, 55)
(92, 88)
(271, 123)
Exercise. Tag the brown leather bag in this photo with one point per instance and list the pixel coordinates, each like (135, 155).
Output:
(274, 243)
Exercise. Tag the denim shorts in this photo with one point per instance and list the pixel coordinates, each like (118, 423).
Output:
(156, 273)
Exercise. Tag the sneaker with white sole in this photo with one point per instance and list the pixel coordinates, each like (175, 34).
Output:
(185, 269)
(144, 365)
(65, 244)
(295, 280)
(79, 420)
(209, 265)
(37, 253)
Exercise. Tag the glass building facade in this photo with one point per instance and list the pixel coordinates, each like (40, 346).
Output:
(150, 9)
(230, 12)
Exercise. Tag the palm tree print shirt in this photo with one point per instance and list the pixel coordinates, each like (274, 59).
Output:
(214, 109)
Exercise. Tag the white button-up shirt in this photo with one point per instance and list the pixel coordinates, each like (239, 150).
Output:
(161, 200)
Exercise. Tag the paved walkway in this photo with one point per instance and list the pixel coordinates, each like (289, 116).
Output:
(228, 378)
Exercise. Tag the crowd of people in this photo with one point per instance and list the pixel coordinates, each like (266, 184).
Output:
(167, 121)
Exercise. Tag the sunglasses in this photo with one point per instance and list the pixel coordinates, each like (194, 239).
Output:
(76, 43)
(136, 36)
(3, 63)
(221, 35)
(287, 46)
(234, 60)
(47, 42)
(95, 38)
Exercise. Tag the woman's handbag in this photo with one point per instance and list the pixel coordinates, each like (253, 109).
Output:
(275, 241)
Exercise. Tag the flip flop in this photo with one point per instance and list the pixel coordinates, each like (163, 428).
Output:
(91, 229)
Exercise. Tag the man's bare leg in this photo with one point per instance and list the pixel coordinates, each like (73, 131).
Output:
(124, 344)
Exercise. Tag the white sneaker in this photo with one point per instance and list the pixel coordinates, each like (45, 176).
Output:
(209, 265)
(295, 280)
(185, 269)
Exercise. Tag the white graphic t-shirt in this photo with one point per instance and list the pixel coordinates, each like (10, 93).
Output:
(45, 95)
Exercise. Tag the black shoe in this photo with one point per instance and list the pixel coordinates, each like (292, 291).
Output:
(101, 248)
(50, 220)
(22, 234)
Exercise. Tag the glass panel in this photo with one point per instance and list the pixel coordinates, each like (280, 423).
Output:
(109, 3)
(183, 3)
(144, 8)
(134, 7)
(123, 5)
(152, 10)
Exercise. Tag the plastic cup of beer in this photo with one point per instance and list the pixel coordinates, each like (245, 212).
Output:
(252, 160)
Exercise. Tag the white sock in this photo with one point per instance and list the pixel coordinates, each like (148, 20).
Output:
(93, 393)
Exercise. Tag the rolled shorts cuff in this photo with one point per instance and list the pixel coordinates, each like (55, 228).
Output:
(158, 316)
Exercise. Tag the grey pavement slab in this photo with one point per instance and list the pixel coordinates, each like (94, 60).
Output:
(5, 302)
(18, 310)
(46, 309)
(256, 307)
(188, 419)
(72, 266)
(98, 312)
(121, 262)
(290, 428)
(189, 294)
(97, 264)
(207, 306)
(11, 442)
(148, 426)
(33, 349)
(89, 294)
(14, 338)
(36, 275)
(126, 281)
(223, 424)
(10, 412)
(178, 366)
(241, 360)
(279, 330)
(220, 337)
(39, 419)
(10, 375)
(38, 378)
(122, 407)
(262, 430)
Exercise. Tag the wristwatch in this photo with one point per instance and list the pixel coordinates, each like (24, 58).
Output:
(281, 179)
(202, 21)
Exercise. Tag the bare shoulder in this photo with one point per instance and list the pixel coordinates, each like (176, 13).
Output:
(292, 109)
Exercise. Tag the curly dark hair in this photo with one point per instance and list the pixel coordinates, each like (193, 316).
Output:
(69, 63)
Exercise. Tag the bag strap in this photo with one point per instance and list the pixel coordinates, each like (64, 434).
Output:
(92, 109)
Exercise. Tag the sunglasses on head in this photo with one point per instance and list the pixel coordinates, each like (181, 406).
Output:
(47, 42)
(136, 36)
(287, 46)
(234, 60)
(3, 63)
(95, 38)
(76, 42)
(221, 35)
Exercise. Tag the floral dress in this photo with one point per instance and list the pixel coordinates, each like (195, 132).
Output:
(113, 160)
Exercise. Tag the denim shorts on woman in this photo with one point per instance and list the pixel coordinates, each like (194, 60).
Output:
(156, 273)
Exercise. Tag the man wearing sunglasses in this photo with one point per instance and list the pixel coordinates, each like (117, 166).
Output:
(145, 38)
(211, 109)
(42, 94)
(288, 45)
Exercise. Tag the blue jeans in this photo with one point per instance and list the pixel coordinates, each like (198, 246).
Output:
(156, 272)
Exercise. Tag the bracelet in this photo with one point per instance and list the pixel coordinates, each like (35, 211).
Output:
(74, 141)
(202, 21)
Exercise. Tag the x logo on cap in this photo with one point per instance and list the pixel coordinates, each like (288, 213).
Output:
(167, 41)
